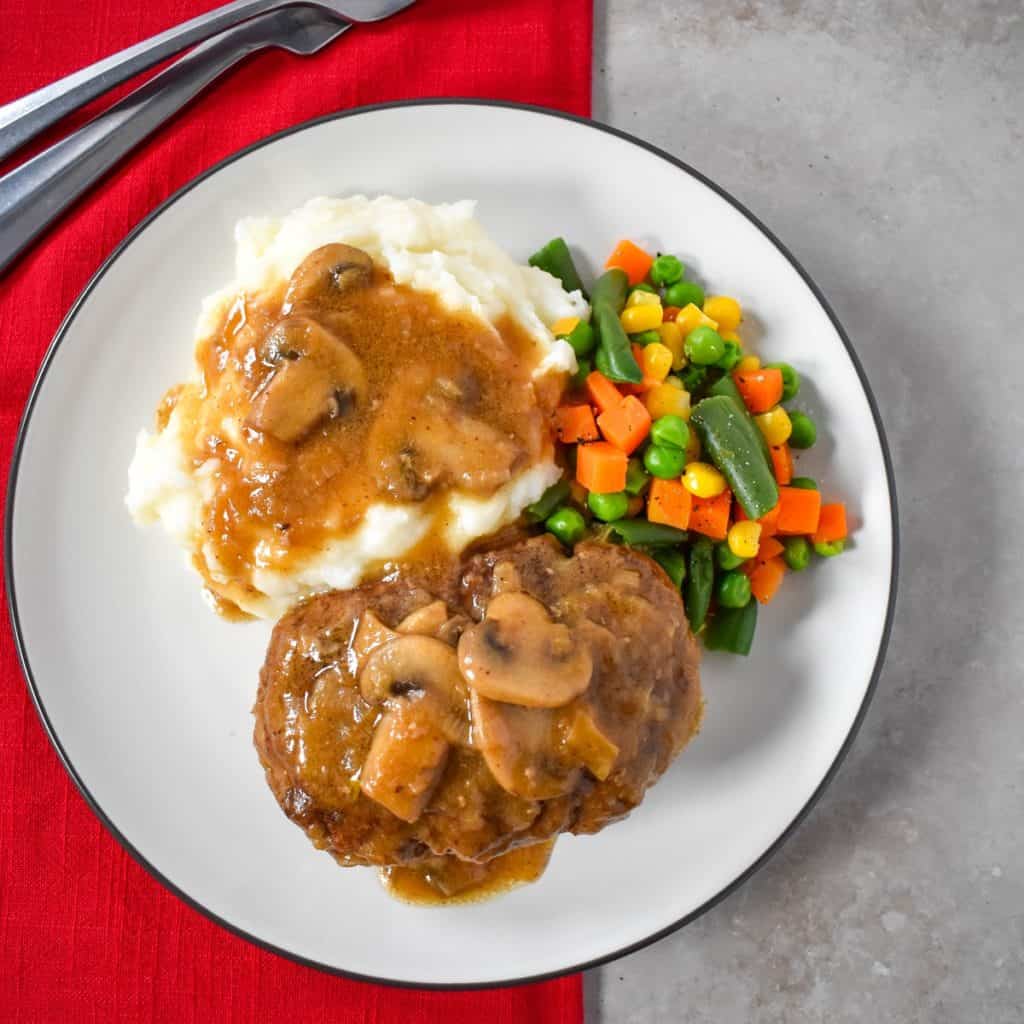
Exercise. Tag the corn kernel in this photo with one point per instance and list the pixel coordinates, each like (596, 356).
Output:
(675, 382)
(642, 298)
(564, 326)
(748, 364)
(635, 319)
(673, 338)
(703, 480)
(656, 361)
(690, 316)
(730, 336)
(667, 400)
(725, 310)
(775, 425)
(744, 539)
(693, 448)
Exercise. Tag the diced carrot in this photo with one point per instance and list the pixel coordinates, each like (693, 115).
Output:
(710, 516)
(627, 425)
(601, 467)
(575, 423)
(761, 389)
(669, 313)
(766, 579)
(769, 548)
(669, 502)
(799, 511)
(831, 524)
(602, 392)
(632, 259)
(769, 521)
(782, 463)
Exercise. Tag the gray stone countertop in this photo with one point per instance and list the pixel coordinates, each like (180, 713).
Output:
(882, 141)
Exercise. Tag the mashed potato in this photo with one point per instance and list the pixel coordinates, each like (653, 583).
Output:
(441, 250)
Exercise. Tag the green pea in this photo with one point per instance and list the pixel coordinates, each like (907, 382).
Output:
(733, 590)
(567, 525)
(805, 483)
(790, 379)
(670, 432)
(830, 549)
(704, 346)
(805, 433)
(664, 462)
(682, 293)
(637, 478)
(797, 553)
(733, 354)
(693, 377)
(667, 270)
(673, 561)
(645, 338)
(582, 338)
(643, 286)
(608, 507)
(726, 558)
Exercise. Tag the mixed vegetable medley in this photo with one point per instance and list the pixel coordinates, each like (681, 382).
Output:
(680, 442)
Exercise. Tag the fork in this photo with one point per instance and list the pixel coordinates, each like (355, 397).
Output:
(24, 118)
(37, 192)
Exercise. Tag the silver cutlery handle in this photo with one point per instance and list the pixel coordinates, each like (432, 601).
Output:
(23, 118)
(34, 194)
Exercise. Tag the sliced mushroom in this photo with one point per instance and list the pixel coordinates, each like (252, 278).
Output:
(406, 759)
(328, 273)
(418, 680)
(370, 634)
(586, 741)
(423, 438)
(427, 620)
(316, 376)
(521, 747)
(519, 655)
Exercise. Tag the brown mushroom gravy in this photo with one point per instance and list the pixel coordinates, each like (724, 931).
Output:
(342, 390)
(431, 723)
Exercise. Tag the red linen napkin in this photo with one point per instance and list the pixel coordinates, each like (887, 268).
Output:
(85, 933)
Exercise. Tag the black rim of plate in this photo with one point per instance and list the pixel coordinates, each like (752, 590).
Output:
(80, 783)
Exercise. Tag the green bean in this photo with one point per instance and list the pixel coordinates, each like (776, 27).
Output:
(637, 478)
(732, 629)
(790, 379)
(639, 531)
(726, 385)
(797, 553)
(693, 377)
(556, 259)
(548, 501)
(583, 370)
(829, 549)
(614, 356)
(805, 483)
(700, 582)
(582, 339)
(729, 438)
(673, 561)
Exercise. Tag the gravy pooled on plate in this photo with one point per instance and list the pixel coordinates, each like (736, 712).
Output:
(344, 391)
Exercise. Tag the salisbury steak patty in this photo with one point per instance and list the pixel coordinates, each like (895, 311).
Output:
(530, 694)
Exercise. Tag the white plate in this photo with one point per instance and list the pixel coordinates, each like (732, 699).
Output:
(146, 694)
